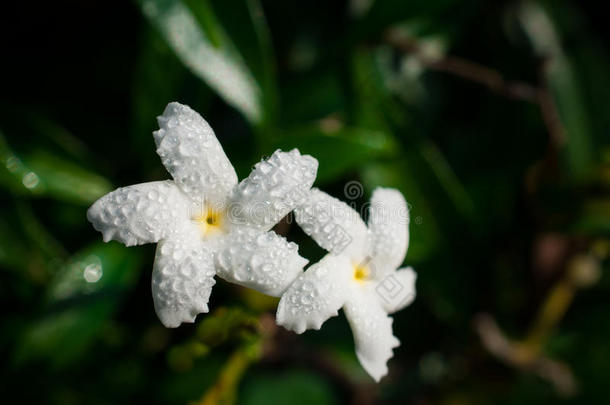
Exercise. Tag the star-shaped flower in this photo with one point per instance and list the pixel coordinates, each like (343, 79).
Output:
(359, 274)
(204, 222)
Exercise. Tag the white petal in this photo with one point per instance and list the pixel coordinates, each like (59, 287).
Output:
(182, 279)
(191, 153)
(274, 188)
(372, 329)
(263, 261)
(333, 224)
(316, 295)
(397, 289)
(389, 226)
(142, 213)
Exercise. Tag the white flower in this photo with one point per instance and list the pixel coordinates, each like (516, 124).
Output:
(206, 223)
(359, 274)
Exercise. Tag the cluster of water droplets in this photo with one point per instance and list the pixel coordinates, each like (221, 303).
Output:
(274, 188)
(388, 224)
(192, 154)
(264, 261)
(140, 213)
(314, 296)
(373, 335)
(182, 280)
(330, 222)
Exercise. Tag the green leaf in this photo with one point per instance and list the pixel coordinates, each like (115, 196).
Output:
(204, 48)
(290, 387)
(64, 180)
(26, 245)
(42, 173)
(338, 150)
(447, 178)
(73, 146)
(245, 23)
(565, 88)
(78, 302)
(312, 96)
(434, 16)
(160, 78)
(594, 218)
(379, 110)
(374, 107)
(38, 234)
(14, 252)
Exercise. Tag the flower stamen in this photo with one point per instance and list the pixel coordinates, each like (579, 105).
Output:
(361, 273)
(209, 221)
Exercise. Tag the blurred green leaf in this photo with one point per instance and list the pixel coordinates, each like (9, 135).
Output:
(431, 16)
(294, 387)
(245, 23)
(312, 96)
(189, 385)
(447, 178)
(379, 110)
(45, 174)
(64, 180)
(26, 245)
(203, 46)
(78, 302)
(373, 105)
(594, 217)
(14, 252)
(338, 150)
(160, 78)
(592, 67)
(38, 233)
(565, 88)
(590, 63)
(61, 137)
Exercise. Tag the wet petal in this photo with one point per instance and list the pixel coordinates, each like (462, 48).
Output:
(191, 153)
(333, 224)
(389, 227)
(142, 213)
(397, 289)
(264, 261)
(372, 330)
(182, 280)
(274, 188)
(316, 295)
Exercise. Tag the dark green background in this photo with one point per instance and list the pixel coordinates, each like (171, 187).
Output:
(509, 192)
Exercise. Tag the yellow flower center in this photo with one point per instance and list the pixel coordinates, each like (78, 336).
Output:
(210, 222)
(361, 272)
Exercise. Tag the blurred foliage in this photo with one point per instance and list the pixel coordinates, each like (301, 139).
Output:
(490, 117)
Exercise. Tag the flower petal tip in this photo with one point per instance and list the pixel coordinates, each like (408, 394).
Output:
(173, 318)
(377, 370)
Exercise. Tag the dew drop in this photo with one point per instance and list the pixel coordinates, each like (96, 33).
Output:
(30, 180)
(93, 272)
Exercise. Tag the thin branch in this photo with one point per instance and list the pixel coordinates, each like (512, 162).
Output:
(466, 69)
(524, 357)
(493, 80)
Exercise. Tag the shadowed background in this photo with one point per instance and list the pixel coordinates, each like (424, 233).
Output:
(491, 117)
